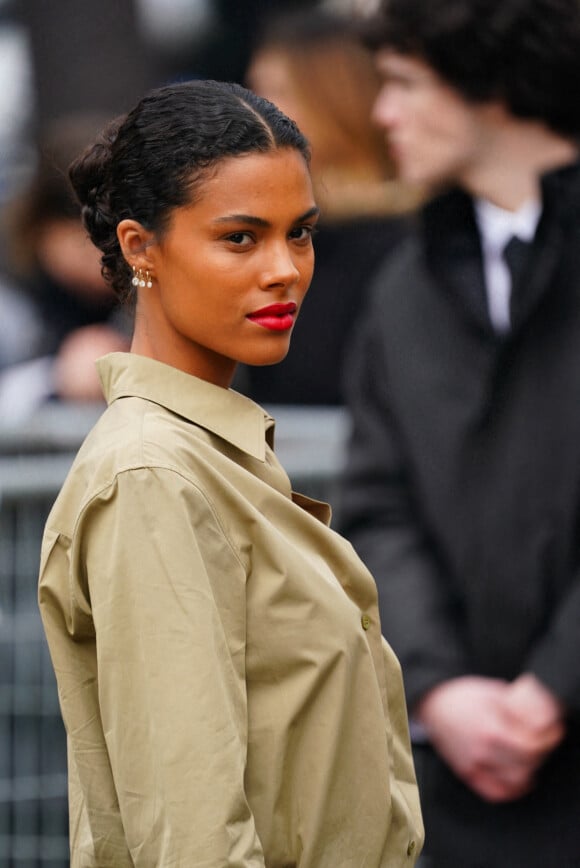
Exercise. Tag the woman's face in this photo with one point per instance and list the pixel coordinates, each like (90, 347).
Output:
(231, 271)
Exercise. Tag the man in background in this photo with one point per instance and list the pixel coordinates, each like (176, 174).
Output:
(462, 490)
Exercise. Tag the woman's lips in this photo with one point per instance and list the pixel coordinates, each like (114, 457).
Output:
(276, 317)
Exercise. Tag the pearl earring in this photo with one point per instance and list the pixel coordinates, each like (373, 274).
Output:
(141, 278)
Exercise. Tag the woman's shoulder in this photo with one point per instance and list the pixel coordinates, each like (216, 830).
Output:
(133, 435)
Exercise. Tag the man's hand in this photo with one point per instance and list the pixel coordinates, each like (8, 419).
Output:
(494, 735)
(535, 707)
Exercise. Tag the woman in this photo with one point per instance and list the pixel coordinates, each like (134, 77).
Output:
(227, 695)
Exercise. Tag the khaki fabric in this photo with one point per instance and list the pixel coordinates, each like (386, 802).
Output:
(227, 694)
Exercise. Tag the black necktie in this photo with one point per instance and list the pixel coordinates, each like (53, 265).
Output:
(516, 254)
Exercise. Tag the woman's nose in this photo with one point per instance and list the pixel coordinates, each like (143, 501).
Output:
(279, 268)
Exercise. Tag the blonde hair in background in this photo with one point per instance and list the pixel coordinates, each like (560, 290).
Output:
(313, 66)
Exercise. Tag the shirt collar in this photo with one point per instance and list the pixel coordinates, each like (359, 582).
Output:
(231, 416)
(497, 225)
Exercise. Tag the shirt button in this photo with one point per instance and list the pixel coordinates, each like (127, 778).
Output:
(366, 622)
(411, 848)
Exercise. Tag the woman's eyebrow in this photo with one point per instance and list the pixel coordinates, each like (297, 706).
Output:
(312, 212)
(243, 218)
(259, 221)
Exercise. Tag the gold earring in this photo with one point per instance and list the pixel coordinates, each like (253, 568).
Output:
(140, 279)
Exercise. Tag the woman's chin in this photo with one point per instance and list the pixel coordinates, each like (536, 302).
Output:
(270, 357)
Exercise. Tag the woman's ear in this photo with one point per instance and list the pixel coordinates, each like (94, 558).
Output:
(135, 242)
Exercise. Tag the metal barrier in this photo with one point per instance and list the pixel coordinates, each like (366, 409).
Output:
(33, 463)
(33, 805)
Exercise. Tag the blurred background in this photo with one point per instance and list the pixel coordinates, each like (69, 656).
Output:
(65, 68)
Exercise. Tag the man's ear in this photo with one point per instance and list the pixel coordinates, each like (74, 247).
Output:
(135, 242)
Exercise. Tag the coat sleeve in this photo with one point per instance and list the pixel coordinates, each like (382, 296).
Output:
(163, 716)
(380, 513)
(554, 657)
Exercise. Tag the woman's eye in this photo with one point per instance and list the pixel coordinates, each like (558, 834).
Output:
(239, 238)
(303, 233)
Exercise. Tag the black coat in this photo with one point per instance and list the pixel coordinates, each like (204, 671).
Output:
(462, 493)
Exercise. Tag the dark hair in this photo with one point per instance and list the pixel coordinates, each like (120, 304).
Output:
(525, 53)
(154, 159)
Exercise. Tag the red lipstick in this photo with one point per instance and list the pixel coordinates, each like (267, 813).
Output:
(276, 317)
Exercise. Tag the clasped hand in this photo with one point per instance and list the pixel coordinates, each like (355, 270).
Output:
(493, 734)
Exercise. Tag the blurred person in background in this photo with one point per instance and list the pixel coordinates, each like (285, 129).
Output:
(314, 67)
(57, 60)
(57, 272)
(462, 490)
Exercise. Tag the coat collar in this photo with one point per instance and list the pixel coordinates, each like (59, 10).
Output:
(454, 256)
